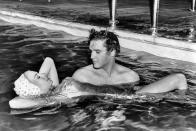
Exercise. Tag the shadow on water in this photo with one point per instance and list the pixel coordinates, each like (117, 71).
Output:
(24, 47)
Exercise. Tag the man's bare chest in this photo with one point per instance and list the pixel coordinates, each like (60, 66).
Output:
(110, 80)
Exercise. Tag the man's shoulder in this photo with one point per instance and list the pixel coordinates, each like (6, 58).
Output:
(124, 69)
(83, 73)
(129, 74)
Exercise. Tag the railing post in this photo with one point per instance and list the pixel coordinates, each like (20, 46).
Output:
(193, 6)
(155, 16)
(112, 7)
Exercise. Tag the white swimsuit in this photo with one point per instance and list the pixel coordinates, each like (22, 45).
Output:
(70, 90)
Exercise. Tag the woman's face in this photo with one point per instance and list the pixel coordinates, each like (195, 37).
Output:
(39, 80)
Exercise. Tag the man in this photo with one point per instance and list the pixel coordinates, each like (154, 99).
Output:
(104, 46)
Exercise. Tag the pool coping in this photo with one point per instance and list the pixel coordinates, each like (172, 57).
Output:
(163, 47)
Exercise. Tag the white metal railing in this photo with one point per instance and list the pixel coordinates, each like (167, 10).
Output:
(193, 6)
(155, 17)
(154, 14)
(112, 8)
(113, 21)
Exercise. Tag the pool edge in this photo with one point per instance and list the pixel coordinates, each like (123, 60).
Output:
(163, 47)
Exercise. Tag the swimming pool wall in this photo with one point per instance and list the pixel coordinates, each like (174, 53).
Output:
(163, 47)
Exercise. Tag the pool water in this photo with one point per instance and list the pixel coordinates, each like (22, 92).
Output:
(24, 47)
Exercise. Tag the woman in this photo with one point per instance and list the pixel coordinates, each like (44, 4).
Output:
(42, 88)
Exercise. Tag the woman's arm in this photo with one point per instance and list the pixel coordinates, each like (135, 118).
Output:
(48, 69)
(21, 103)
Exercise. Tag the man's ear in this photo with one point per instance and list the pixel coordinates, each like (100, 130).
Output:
(113, 53)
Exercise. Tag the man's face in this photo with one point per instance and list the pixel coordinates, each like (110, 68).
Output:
(99, 54)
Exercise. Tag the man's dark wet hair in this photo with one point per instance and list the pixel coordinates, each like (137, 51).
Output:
(111, 39)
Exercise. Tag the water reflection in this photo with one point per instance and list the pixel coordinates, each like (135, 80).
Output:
(191, 34)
